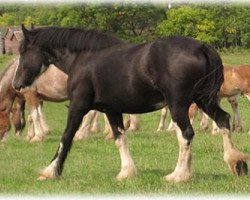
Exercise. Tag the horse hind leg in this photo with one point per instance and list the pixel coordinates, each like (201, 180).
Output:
(236, 125)
(248, 97)
(185, 135)
(236, 160)
(128, 168)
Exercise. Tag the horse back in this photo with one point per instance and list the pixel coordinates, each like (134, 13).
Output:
(236, 80)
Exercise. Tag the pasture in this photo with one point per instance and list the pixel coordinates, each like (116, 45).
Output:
(92, 164)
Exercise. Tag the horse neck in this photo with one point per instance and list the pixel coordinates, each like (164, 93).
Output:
(62, 59)
(7, 92)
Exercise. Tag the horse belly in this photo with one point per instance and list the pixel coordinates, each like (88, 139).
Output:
(132, 104)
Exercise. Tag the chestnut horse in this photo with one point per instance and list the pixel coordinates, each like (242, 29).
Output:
(114, 77)
(10, 102)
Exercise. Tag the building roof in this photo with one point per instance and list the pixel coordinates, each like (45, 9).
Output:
(18, 35)
(10, 31)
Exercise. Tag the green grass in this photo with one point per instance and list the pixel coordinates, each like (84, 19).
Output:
(92, 164)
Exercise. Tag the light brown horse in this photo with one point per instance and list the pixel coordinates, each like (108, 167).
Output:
(38, 92)
(236, 82)
(10, 102)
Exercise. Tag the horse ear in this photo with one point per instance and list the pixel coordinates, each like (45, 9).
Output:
(26, 32)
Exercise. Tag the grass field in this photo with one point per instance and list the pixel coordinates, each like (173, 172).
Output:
(92, 164)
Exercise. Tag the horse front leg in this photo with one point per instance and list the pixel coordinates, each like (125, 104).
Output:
(134, 123)
(162, 124)
(34, 116)
(128, 168)
(76, 112)
(83, 131)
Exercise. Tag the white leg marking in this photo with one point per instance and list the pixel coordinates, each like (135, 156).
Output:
(107, 129)
(162, 124)
(171, 126)
(134, 123)
(37, 126)
(128, 168)
(215, 129)
(204, 121)
(96, 124)
(83, 131)
(182, 170)
(31, 132)
(50, 171)
(43, 122)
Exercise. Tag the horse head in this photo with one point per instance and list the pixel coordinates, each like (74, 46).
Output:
(31, 61)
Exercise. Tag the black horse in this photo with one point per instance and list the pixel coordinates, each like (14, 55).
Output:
(114, 77)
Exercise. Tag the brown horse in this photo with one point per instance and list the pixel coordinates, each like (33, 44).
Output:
(10, 101)
(236, 82)
(38, 92)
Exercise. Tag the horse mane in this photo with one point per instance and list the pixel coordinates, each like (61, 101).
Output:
(9, 65)
(74, 39)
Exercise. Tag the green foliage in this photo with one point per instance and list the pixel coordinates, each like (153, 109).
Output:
(188, 21)
(222, 25)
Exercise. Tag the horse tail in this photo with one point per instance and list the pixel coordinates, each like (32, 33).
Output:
(207, 88)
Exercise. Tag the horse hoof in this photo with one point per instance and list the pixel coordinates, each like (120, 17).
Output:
(42, 178)
(80, 137)
(109, 137)
(159, 129)
(35, 139)
(241, 168)
(174, 177)
(126, 172)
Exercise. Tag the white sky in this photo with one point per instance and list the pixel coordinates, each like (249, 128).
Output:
(137, 1)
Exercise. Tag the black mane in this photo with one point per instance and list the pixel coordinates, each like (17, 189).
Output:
(74, 39)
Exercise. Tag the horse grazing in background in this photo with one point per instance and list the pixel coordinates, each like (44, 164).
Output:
(56, 92)
(114, 77)
(237, 82)
(10, 102)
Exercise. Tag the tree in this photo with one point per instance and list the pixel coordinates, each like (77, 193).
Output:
(188, 21)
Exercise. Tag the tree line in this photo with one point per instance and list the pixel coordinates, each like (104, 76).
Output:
(222, 25)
